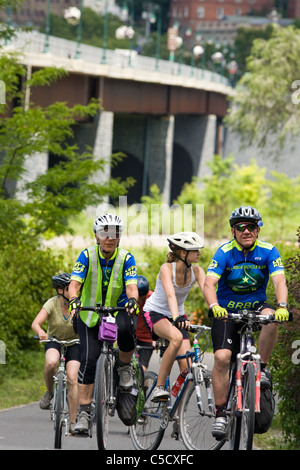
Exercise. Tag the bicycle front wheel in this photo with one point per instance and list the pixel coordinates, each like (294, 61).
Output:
(147, 432)
(248, 411)
(196, 421)
(58, 411)
(102, 388)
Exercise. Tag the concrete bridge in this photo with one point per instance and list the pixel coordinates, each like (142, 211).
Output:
(166, 117)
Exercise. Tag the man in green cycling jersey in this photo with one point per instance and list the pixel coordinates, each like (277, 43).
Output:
(241, 269)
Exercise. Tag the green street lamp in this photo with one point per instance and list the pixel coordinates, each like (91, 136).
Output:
(47, 30)
(73, 16)
(105, 29)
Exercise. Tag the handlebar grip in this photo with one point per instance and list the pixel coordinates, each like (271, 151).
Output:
(210, 313)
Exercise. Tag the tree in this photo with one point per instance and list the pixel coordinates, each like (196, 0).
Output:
(52, 198)
(66, 188)
(265, 108)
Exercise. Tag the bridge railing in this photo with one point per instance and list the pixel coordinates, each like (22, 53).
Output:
(35, 42)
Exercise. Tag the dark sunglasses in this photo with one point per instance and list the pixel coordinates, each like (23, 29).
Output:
(243, 227)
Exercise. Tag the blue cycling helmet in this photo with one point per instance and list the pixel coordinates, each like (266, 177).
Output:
(142, 285)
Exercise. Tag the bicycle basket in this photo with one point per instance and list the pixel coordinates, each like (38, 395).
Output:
(108, 330)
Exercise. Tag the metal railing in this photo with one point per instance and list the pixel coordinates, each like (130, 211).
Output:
(34, 42)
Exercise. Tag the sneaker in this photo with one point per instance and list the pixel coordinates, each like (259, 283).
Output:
(176, 430)
(72, 428)
(46, 401)
(159, 394)
(219, 427)
(125, 377)
(265, 379)
(83, 424)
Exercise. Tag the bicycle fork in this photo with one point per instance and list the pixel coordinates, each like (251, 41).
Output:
(202, 376)
(241, 364)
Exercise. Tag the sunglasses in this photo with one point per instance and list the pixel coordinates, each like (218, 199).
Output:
(110, 232)
(243, 227)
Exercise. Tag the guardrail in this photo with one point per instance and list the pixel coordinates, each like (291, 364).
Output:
(34, 42)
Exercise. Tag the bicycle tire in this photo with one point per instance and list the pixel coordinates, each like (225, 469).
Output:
(248, 411)
(58, 411)
(195, 426)
(102, 385)
(147, 433)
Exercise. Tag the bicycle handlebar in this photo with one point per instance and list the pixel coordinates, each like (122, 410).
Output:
(101, 309)
(195, 328)
(55, 340)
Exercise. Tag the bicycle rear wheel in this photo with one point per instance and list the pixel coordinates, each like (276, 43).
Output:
(248, 411)
(58, 411)
(147, 433)
(196, 423)
(102, 387)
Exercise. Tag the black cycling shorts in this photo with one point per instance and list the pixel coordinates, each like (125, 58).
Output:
(72, 352)
(225, 334)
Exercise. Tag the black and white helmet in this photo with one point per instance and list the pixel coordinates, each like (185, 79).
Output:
(185, 241)
(108, 220)
(245, 214)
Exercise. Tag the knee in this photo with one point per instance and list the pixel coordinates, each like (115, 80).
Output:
(176, 339)
(222, 359)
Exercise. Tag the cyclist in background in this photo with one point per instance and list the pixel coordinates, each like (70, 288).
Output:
(241, 269)
(143, 335)
(56, 312)
(103, 274)
(166, 305)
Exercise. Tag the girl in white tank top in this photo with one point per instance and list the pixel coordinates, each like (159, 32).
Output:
(174, 281)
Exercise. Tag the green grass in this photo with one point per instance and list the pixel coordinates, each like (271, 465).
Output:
(18, 387)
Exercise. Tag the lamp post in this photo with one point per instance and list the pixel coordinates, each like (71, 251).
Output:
(198, 51)
(105, 28)
(73, 16)
(47, 30)
(127, 32)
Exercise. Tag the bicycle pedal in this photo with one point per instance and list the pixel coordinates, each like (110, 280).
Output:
(160, 400)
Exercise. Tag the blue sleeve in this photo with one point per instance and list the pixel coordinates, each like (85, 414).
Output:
(80, 267)
(130, 272)
(275, 264)
(217, 264)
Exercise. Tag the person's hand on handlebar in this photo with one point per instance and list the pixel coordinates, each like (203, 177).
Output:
(181, 322)
(132, 306)
(218, 311)
(74, 306)
(282, 314)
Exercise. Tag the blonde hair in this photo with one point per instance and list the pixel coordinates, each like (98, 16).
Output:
(173, 256)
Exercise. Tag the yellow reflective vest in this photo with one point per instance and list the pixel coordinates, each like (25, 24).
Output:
(92, 288)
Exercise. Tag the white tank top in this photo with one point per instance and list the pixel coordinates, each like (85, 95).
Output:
(158, 302)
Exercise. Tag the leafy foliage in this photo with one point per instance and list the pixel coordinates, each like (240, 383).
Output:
(52, 198)
(263, 110)
(285, 361)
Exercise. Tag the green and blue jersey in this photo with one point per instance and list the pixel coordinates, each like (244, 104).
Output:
(242, 281)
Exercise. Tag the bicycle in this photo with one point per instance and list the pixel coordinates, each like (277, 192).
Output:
(243, 399)
(196, 400)
(106, 388)
(59, 407)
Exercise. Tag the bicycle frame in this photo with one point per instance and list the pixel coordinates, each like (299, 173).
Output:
(61, 369)
(196, 372)
(247, 356)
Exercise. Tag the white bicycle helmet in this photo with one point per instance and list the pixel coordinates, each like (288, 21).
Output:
(108, 220)
(245, 214)
(185, 241)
